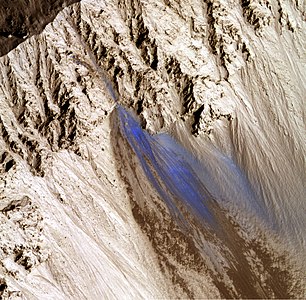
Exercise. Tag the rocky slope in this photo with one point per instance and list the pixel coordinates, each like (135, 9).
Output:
(153, 149)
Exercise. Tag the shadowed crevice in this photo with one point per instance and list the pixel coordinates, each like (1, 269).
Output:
(21, 19)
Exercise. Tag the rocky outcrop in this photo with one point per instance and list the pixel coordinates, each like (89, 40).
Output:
(80, 217)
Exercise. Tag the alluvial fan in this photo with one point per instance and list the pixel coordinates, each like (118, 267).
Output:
(152, 149)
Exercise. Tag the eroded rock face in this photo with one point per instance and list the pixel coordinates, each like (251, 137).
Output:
(87, 200)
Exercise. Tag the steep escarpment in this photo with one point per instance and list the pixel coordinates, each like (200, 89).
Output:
(93, 207)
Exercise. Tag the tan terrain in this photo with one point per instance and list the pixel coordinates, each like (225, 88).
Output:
(152, 149)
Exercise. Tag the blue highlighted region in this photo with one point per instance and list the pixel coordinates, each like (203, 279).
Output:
(214, 214)
(185, 184)
(172, 176)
